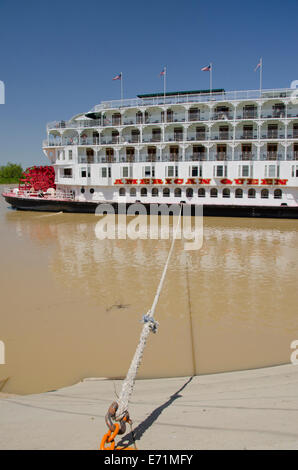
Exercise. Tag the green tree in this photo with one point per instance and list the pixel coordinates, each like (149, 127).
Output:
(10, 173)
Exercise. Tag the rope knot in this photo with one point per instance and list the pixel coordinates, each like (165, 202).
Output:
(153, 325)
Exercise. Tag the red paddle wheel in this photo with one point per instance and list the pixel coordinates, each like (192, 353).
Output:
(40, 178)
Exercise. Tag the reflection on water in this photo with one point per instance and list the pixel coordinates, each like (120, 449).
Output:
(72, 304)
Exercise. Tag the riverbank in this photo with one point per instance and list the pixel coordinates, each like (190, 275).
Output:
(254, 409)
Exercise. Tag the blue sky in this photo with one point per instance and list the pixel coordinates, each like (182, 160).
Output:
(58, 58)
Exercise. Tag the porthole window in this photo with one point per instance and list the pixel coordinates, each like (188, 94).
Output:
(239, 193)
(251, 193)
(277, 194)
(91, 191)
(82, 190)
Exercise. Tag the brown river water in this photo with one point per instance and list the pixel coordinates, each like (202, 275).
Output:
(71, 304)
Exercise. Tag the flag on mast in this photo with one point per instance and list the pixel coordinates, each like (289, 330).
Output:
(163, 74)
(118, 77)
(259, 65)
(206, 69)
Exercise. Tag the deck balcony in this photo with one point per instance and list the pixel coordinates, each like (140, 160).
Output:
(221, 136)
(247, 114)
(222, 156)
(272, 156)
(197, 157)
(222, 116)
(292, 155)
(272, 135)
(246, 156)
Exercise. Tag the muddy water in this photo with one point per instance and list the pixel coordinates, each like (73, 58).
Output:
(71, 304)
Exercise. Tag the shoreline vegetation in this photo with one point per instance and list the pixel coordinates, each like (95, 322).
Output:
(10, 173)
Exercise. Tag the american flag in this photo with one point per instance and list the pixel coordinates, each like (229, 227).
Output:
(259, 65)
(118, 77)
(163, 72)
(206, 69)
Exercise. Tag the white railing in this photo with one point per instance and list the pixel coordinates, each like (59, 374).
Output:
(21, 193)
(191, 98)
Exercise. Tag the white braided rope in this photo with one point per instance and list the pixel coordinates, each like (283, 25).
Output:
(149, 325)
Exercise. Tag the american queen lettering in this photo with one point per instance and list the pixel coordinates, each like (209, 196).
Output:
(202, 181)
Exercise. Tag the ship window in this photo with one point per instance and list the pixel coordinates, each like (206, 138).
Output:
(277, 194)
(133, 192)
(189, 192)
(83, 173)
(122, 192)
(144, 192)
(149, 171)
(239, 193)
(213, 192)
(172, 171)
(103, 172)
(67, 172)
(264, 193)
(226, 192)
(70, 154)
(220, 171)
(154, 192)
(295, 171)
(271, 171)
(166, 192)
(194, 171)
(82, 190)
(125, 172)
(91, 190)
(177, 192)
(201, 192)
(251, 193)
(245, 171)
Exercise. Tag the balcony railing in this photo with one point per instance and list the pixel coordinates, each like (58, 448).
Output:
(248, 135)
(195, 98)
(197, 157)
(222, 116)
(221, 156)
(292, 155)
(246, 156)
(271, 156)
(221, 136)
(194, 117)
(272, 135)
(248, 115)
(294, 135)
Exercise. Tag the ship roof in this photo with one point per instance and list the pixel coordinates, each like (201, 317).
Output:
(191, 92)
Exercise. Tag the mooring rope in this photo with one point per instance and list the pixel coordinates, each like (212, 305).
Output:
(149, 325)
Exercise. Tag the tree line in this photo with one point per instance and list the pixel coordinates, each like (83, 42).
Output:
(10, 173)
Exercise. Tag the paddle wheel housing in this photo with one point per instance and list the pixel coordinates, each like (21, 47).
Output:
(40, 178)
